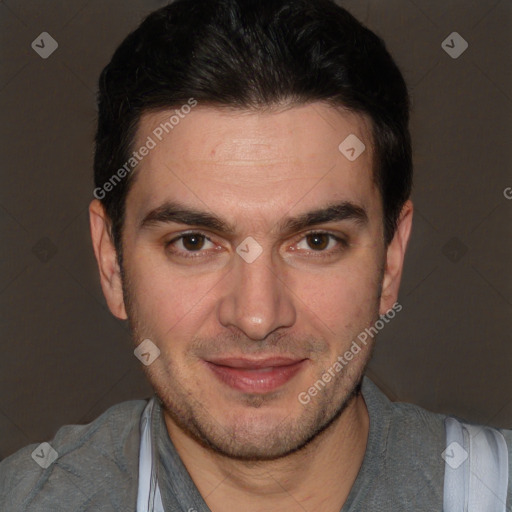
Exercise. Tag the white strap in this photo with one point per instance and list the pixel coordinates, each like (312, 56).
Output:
(148, 497)
(476, 469)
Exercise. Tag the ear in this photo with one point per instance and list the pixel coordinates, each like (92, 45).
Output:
(106, 256)
(395, 254)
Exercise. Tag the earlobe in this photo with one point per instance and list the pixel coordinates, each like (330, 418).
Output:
(395, 255)
(106, 257)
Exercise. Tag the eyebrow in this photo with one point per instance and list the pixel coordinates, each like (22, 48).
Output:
(175, 212)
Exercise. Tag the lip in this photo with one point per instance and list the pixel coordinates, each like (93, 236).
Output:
(255, 375)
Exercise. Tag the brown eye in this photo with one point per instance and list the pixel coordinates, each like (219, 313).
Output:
(193, 245)
(318, 241)
(324, 244)
(193, 242)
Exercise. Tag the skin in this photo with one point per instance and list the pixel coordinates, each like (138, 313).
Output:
(266, 451)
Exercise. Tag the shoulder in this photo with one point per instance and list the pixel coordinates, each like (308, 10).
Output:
(404, 451)
(408, 427)
(90, 461)
(413, 429)
(414, 441)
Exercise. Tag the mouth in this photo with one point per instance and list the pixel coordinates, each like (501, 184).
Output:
(255, 375)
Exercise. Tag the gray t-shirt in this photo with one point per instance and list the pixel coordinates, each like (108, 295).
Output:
(97, 464)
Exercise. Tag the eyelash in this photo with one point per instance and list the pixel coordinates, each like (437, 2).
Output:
(343, 243)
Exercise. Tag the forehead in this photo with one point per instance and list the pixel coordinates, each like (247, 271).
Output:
(258, 161)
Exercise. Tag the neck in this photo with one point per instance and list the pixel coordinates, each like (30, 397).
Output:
(318, 477)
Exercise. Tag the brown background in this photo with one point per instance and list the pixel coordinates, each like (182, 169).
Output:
(65, 359)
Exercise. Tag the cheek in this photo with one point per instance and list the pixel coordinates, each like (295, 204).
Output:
(343, 297)
(166, 301)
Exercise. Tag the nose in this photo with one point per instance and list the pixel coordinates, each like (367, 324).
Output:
(256, 299)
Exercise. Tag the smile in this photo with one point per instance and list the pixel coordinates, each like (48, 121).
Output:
(255, 376)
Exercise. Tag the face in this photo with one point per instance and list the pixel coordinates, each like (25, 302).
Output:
(253, 256)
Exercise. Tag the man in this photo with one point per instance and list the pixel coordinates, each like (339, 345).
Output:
(251, 215)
